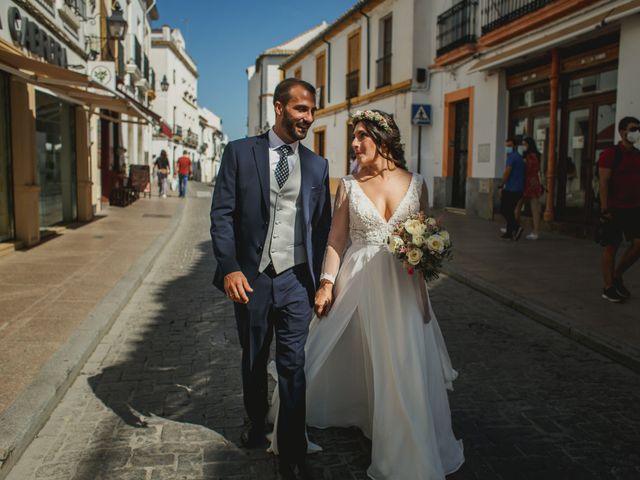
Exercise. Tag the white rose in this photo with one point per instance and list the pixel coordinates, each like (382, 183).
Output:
(435, 243)
(414, 256)
(432, 222)
(445, 237)
(414, 227)
(418, 240)
(394, 243)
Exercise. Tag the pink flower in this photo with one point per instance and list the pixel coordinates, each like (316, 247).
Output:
(410, 270)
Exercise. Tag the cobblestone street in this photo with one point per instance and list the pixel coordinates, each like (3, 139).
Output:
(160, 398)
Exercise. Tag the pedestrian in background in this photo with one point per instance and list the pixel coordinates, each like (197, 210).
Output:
(532, 185)
(512, 186)
(161, 166)
(619, 172)
(184, 170)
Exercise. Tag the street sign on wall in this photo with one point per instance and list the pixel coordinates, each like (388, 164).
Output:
(420, 114)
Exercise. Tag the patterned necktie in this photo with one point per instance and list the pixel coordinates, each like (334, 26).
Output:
(282, 168)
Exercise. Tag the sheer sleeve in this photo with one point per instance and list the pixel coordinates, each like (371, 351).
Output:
(338, 236)
(424, 199)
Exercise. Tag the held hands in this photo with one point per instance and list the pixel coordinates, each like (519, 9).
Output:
(324, 299)
(236, 287)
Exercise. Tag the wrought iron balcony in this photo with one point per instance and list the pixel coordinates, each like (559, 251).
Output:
(457, 26)
(78, 6)
(384, 71)
(134, 56)
(353, 84)
(497, 13)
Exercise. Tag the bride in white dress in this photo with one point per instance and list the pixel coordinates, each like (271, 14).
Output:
(375, 356)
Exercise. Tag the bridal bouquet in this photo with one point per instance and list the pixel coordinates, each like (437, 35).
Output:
(421, 244)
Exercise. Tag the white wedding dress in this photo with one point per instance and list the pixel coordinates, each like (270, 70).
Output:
(373, 362)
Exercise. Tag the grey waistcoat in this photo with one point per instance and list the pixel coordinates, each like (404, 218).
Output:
(284, 246)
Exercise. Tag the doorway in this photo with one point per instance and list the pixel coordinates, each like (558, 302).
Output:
(460, 154)
(588, 128)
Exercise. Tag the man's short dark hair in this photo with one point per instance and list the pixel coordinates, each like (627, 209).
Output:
(624, 123)
(283, 89)
(515, 139)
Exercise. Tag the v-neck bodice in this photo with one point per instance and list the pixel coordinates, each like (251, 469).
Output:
(366, 224)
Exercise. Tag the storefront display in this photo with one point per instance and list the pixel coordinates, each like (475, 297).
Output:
(56, 156)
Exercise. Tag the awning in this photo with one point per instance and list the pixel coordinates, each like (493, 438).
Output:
(73, 85)
(549, 41)
(166, 130)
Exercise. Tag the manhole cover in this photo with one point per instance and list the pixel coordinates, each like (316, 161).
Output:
(156, 215)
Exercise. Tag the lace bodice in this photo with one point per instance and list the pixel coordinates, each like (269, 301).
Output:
(356, 218)
(366, 225)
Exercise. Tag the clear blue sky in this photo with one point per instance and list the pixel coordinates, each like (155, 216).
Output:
(224, 37)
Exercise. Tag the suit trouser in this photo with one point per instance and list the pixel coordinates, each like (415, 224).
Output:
(280, 304)
(508, 209)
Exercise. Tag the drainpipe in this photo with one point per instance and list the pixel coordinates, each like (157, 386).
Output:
(260, 100)
(328, 70)
(368, 47)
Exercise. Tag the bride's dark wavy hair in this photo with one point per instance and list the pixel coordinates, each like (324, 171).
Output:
(387, 142)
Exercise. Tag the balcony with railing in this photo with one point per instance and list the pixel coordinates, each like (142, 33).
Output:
(134, 56)
(121, 62)
(457, 26)
(353, 84)
(383, 67)
(79, 7)
(498, 13)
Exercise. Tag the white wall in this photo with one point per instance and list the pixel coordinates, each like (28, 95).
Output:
(628, 101)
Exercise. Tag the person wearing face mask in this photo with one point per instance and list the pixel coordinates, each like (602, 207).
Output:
(512, 186)
(619, 172)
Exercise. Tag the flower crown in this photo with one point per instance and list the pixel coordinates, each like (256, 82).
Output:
(373, 117)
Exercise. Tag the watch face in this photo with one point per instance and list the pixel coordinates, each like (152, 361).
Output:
(101, 74)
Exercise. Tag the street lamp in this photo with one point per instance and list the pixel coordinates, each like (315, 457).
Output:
(116, 23)
(164, 84)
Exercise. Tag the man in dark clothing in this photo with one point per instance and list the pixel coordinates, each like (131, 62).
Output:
(619, 172)
(512, 187)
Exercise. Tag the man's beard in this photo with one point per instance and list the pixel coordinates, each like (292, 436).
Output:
(290, 126)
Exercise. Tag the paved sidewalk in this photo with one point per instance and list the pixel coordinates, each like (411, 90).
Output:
(555, 280)
(57, 299)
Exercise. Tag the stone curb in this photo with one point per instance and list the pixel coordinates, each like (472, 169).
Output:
(609, 347)
(24, 418)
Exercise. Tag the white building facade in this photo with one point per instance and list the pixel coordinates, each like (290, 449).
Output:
(177, 101)
(482, 71)
(212, 144)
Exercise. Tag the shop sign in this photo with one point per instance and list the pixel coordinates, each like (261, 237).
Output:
(104, 73)
(31, 36)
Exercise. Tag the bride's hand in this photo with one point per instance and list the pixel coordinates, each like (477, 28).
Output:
(324, 299)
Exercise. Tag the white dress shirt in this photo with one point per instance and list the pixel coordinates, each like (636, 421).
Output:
(274, 156)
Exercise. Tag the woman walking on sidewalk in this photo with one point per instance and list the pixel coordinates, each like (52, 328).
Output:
(532, 185)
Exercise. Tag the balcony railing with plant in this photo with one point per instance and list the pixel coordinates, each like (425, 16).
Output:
(353, 84)
(498, 13)
(457, 26)
(383, 66)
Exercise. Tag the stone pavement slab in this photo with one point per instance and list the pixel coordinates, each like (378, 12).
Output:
(555, 280)
(57, 300)
(160, 398)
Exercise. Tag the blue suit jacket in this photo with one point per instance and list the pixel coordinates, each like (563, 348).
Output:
(240, 208)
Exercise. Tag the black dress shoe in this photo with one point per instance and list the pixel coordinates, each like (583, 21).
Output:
(253, 436)
(286, 471)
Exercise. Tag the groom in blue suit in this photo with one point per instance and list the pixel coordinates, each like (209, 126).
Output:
(270, 221)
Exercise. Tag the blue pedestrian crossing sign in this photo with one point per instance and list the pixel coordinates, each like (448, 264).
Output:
(420, 114)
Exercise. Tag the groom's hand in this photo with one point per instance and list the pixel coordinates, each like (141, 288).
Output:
(324, 299)
(236, 287)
